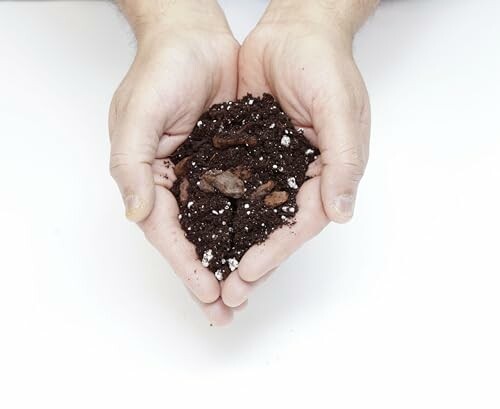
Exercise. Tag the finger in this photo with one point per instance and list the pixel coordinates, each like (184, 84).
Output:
(133, 147)
(343, 132)
(163, 172)
(163, 230)
(314, 168)
(241, 307)
(217, 313)
(168, 144)
(235, 291)
(309, 221)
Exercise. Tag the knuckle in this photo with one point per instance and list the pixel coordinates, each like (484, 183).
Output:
(117, 161)
(353, 156)
(353, 161)
(142, 154)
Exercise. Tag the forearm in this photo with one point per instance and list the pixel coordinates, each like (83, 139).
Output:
(147, 15)
(348, 15)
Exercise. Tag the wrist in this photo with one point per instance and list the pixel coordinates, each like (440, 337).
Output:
(148, 18)
(343, 16)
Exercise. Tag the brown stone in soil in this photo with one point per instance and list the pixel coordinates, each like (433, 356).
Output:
(181, 168)
(225, 182)
(184, 190)
(242, 172)
(263, 190)
(205, 186)
(275, 199)
(221, 141)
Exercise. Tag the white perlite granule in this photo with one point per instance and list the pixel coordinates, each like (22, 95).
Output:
(232, 263)
(309, 152)
(292, 183)
(207, 256)
(285, 141)
(199, 123)
(190, 204)
(218, 275)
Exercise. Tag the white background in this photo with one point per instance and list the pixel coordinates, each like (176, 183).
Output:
(398, 309)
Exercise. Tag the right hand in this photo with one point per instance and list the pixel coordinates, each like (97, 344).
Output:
(184, 64)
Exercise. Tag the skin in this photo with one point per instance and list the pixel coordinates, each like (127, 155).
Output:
(302, 54)
(187, 60)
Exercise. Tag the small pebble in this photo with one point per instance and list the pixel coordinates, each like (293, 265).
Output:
(207, 256)
(292, 183)
(285, 141)
(232, 263)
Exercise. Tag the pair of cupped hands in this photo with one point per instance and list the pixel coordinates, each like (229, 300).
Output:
(187, 59)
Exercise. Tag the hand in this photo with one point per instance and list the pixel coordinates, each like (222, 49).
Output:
(301, 52)
(186, 61)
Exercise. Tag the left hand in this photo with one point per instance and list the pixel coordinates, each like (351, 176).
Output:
(306, 62)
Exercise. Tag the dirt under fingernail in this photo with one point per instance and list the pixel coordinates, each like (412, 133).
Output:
(241, 169)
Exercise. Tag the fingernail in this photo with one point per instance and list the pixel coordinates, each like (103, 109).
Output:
(344, 206)
(133, 206)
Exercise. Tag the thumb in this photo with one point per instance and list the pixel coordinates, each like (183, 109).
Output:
(344, 132)
(134, 143)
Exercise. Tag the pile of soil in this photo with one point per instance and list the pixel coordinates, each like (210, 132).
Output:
(238, 175)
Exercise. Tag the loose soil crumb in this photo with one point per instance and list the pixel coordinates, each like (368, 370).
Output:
(238, 175)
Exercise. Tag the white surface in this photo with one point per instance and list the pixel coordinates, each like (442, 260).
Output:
(399, 309)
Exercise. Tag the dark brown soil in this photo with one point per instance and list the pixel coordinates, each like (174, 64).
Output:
(238, 175)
